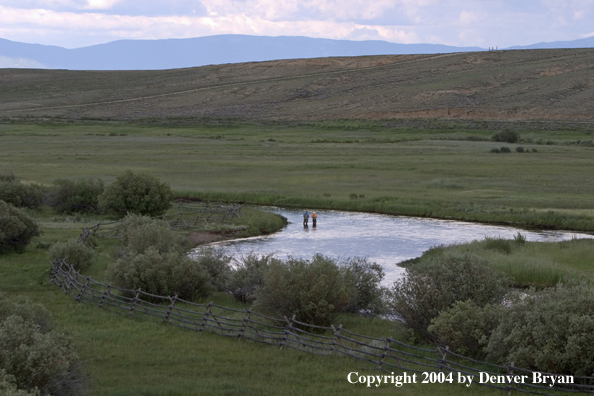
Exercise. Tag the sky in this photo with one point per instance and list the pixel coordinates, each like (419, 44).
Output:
(482, 23)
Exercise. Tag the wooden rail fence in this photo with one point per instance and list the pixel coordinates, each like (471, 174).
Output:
(384, 354)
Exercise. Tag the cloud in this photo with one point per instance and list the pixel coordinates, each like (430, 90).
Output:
(500, 23)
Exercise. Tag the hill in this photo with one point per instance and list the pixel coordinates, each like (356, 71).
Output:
(199, 51)
(504, 85)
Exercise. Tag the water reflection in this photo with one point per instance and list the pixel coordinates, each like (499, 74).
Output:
(384, 239)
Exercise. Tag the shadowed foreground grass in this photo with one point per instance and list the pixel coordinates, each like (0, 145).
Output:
(140, 356)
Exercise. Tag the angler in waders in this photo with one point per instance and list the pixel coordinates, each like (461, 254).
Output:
(314, 217)
(305, 218)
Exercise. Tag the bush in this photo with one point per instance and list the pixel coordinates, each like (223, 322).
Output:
(17, 228)
(505, 150)
(434, 286)
(165, 274)
(80, 197)
(507, 136)
(136, 193)
(78, 255)
(465, 327)
(45, 361)
(248, 276)
(29, 311)
(21, 195)
(141, 232)
(314, 291)
(551, 330)
(217, 265)
(32, 355)
(364, 279)
(8, 386)
(495, 150)
(520, 149)
(498, 244)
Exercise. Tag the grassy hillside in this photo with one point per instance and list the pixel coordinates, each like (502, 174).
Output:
(502, 85)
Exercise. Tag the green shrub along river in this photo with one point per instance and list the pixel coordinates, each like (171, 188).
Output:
(448, 172)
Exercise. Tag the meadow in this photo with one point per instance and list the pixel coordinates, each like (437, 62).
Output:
(447, 171)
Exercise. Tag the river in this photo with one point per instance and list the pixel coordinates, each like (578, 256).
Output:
(384, 239)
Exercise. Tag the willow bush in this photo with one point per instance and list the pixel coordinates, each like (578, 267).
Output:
(313, 291)
(17, 228)
(138, 193)
(435, 285)
(78, 255)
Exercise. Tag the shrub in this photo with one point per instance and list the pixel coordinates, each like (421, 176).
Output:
(165, 274)
(520, 239)
(78, 255)
(46, 361)
(507, 136)
(365, 279)
(141, 232)
(520, 149)
(248, 276)
(77, 197)
(17, 228)
(466, 327)
(495, 150)
(29, 311)
(551, 330)
(8, 386)
(21, 195)
(433, 286)
(314, 291)
(136, 193)
(8, 177)
(499, 244)
(217, 265)
(505, 150)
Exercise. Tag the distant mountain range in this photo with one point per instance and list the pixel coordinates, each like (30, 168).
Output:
(200, 51)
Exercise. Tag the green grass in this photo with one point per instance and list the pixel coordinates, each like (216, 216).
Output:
(537, 264)
(427, 173)
(141, 356)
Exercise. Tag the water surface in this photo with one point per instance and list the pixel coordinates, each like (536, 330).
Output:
(384, 239)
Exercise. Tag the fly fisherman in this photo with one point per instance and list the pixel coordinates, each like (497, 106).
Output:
(305, 217)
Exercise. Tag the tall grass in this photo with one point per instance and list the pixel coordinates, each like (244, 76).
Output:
(537, 264)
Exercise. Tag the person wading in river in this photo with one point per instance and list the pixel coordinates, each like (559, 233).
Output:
(305, 217)
(314, 217)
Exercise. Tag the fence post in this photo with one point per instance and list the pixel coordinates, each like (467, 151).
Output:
(131, 312)
(205, 317)
(393, 355)
(245, 322)
(170, 308)
(288, 327)
(82, 289)
(384, 354)
(510, 372)
(105, 293)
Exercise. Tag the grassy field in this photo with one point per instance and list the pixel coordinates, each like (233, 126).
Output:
(443, 172)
